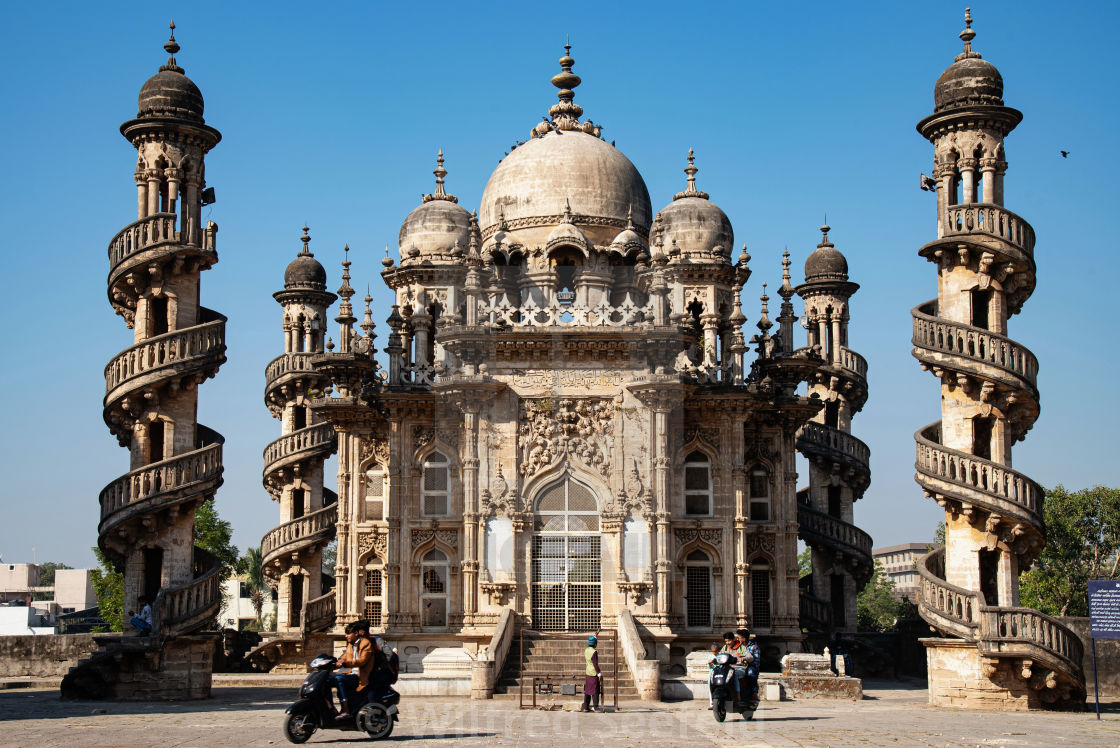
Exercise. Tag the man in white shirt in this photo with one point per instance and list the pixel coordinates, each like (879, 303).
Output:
(143, 621)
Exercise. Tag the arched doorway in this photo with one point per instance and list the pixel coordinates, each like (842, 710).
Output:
(567, 561)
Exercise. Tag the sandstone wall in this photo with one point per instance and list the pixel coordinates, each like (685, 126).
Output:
(46, 656)
(1108, 659)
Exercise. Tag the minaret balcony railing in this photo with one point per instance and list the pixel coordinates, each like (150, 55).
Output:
(182, 608)
(169, 349)
(297, 530)
(530, 314)
(1004, 628)
(817, 437)
(973, 343)
(834, 531)
(996, 488)
(991, 220)
(311, 441)
(952, 609)
(164, 477)
(151, 231)
(287, 363)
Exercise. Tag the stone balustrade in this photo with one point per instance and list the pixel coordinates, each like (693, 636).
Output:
(178, 347)
(319, 614)
(972, 343)
(983, 479)
(834, 531)
(173, 474)
(312, 440)
(151, 231)
(853, 362)
(529, 314)
(199, 598)
(287, 363)
(1002, 626)
(956, 608)
(814, 610)
(815, 437)
(993, 220)
(296, 530)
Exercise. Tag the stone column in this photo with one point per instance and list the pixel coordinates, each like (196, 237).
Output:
(173, 177)
(421, 325)
(394, 512)
(189, 228)
(835, 320)
(661, 408)
(711, 332)
(988, 172)
(742, 568)
(141, 194)
(153, 191)
(470, 508)
(968, 180)
(346, 558)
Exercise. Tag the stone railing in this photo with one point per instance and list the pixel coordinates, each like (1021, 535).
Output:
(816, 614)
(984, 482)
(953, 609)
(488, 667)
(177, 609)
(852, 361)
(308, 527)
(816, 437)
(312, 440)
(173, 474)
(834, 532)
(972, 343)
(181, 346)
(318, 614)
(1002, 628)
(993, 220)
(150, 231)
(646, 672)
(287, 363)
(529, 314)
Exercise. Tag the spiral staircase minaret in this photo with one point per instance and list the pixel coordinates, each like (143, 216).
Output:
(839, 463)
(146, 526)
(292, 553)
(994, 530)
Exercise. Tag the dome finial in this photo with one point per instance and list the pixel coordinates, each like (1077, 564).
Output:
(387, 261)
(172, 48)
(630, 217)
(567, 211)
(440, 193)
(690, 186)
(825, 228)
(306, 239)
(967, 36)
(566, 113)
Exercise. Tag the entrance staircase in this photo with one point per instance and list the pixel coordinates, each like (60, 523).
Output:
(562, 661)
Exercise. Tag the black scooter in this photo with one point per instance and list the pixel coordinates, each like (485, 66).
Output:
(723, 690)
(315, 709)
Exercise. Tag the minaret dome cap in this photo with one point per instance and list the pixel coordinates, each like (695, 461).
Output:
(170, 94)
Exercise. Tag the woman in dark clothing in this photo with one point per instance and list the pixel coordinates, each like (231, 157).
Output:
(593, 675)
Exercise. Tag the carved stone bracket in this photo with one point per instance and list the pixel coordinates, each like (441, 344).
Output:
(635, 591)
(498, 591)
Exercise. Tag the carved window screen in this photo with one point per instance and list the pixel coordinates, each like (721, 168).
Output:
(435, 480)
(433, 598)
(760, 596)
(698, 594)
(375, 494)
(697, 485)
(373, 597)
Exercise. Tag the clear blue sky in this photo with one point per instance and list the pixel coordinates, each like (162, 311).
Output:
(332, 114)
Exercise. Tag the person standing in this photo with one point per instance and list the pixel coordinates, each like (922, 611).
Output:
(593, 676)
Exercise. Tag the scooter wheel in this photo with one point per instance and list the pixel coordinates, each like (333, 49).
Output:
(298, 728)
(375, 720)
(719, 711)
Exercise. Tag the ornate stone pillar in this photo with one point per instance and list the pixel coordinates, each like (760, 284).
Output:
(347, 553)
(968, 180)
(835, 352)
(393, 514)
(470, 410)
(141, 194)
(153, 191)
(988, 173)
(742, 568)
(173, 177)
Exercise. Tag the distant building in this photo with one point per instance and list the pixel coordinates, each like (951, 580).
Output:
(900, 565)
(19, 585)
(237, 604)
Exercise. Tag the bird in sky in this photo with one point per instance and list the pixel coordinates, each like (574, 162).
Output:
(1065, 154)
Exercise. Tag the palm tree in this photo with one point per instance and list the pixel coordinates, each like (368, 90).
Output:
(255, 579)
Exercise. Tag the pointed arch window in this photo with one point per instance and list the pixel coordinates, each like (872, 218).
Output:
(375, 493)
(373, 597)
(433, 596)
(760, 593)
(435, 486)
(759, 495)
(697, 485)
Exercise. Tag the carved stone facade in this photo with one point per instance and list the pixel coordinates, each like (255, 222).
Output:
(566, 419)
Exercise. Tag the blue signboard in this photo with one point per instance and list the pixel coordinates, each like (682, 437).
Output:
(1104, 609)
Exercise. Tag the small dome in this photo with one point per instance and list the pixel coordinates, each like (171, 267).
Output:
(305, 272)
(434, 228)
(968, 82)
(170, 93)
(695, 224)
(826, 263)
(567, 234)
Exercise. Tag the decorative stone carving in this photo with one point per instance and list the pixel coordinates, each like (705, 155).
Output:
(710, 437)
(375, 542)
(569, 427)
(376, 449)
(760, 542)
(447, 537)
(635, 591)
(710, 535)
(498, 591)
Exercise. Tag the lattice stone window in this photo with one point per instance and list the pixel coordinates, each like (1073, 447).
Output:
(759, 495)
(698, 589)
(375, 493)
(373, 597)
(760, 594)
(435, 488)
(697, 484)
(433, 598)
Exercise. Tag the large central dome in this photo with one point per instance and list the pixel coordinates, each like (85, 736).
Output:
(531, 185)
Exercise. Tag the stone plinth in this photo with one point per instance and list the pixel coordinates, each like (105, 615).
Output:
(810, 676)
(144, 669)
(959, 676)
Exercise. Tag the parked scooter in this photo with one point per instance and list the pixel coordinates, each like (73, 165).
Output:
(723, 690)
(315, 708)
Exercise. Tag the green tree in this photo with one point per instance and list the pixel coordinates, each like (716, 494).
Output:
(1082, 543)
(108, 585)
(804, 563)
(214, 534)
(250, 565)
(876, 607)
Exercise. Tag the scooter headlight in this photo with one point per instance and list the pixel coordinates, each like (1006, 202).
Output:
(306, 689)
(723, 658)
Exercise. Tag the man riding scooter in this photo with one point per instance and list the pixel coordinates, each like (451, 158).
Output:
(748, 655)
(357, 663)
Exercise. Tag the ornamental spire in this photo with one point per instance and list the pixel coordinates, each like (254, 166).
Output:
(440, 193)
(172, 48)
(690, 186)
(306, 239)
(566, 113)
(967, 36)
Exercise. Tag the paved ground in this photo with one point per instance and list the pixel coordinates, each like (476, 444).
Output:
(890, 714)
